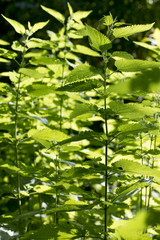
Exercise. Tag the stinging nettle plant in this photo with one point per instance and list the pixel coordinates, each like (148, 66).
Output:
(80, 144)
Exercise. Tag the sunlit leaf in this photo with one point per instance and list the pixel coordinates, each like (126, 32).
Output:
(3, 42)
(120, 55)
(135, 168)
(70, 8)
(80, 15)
(83, 72)
(126, 65)
(7, 53)
(130, 30)
(38, 26)
(48, 134)
(98, 41)
(54, 13)
(85, 50)
(81, 86)
(19, 28)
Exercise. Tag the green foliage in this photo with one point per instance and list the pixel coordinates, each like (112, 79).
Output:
(19, 28)
(135, 65)
(98, 41)
(79, 143)
(130, 30)
(54, 13)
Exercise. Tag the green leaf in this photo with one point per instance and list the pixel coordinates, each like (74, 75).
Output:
(81, 86)
(107, 20)
(85, 50)
(17, 46)
(3, 86)
(39, 43)
(7, 53)
(132, 128)
(67, 55)
(128, 110)
(130, 30)
(132, 229)
(89, 135)
(54, 13)
(135, 168)
(9, 167)
(126, 65)
(119, 55)
(80, 14)
(42, 60)
(19, 28)
(132, 189)
(30, 72)
(42, 188)
(83, 72)
(74, 202)
(83, 108)
(70, 8)
(4, 60)
(42, 119)
(146, 81)
(38, 26)
(38, 89)
(148, 46)
(2, 42)
(48, 134)
(98, 41)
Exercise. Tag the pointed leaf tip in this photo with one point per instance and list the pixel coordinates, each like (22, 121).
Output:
(19, 28)
(38, 26)
(54, 13)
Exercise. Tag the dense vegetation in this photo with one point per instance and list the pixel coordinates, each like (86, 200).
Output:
(79, 140)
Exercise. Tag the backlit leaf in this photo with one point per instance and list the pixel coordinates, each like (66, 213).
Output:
(31, 72)
(98, 41)
(81, 86)
(54, 13)
(135, 168)
(85, 50)
(7, 53)
(126, 65)
(83, 72)
(80, 14)
(119, 55)
(19, 28)
(132, 110)
(2, 42)
(148, 46)
(48, 134)
(38, 26)
(107, 20)
(70, 8)
(130, 30)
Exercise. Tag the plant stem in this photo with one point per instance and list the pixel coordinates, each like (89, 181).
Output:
(16, 143)
(106, 145)
(141, 193)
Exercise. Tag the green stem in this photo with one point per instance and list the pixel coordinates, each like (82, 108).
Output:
(16, 144)
(141, 193)
(146, 197)
(106, 145)
(57, 196)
